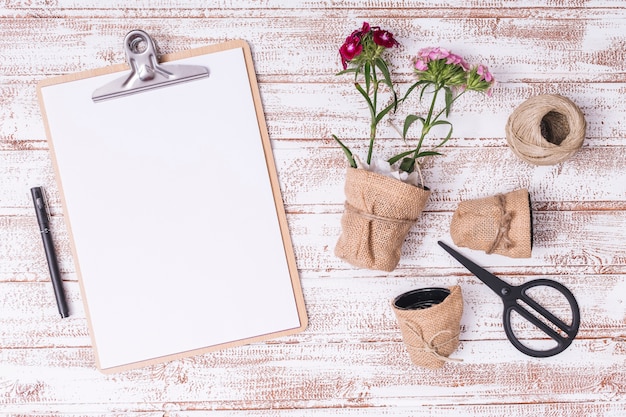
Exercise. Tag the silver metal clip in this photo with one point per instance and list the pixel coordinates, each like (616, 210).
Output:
(145, 71)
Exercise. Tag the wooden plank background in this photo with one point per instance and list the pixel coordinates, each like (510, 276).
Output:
(351, 360)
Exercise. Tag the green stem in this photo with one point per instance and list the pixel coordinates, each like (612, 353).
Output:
(373, 114)
(444, 109)
(432, 107)
(429, 120)
(426, 126)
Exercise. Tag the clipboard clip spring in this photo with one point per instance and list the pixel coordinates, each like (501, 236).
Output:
(145, 71)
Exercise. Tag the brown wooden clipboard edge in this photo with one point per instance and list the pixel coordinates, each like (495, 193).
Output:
(273, 176)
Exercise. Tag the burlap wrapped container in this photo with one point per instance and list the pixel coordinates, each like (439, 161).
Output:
(499, 224)
(379, 212)
(431, 334)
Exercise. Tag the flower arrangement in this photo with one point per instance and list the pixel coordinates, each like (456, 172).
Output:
(442, 71)
(383, 202)
(362, 54)
(438, 72)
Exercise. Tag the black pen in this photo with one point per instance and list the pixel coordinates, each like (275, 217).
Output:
(43, 219)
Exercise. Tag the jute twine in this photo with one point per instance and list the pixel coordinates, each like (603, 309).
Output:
(379, 212)
(431, 335)
(546, 129)
(499, 224)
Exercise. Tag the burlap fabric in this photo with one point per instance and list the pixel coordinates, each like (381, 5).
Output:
(379, 212)
(500, 224)
(431, 335)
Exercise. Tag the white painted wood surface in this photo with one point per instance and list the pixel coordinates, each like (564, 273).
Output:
(351, 360)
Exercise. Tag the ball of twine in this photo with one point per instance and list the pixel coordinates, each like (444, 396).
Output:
(546, 129)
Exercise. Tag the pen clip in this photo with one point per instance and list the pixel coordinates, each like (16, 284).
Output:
(46, 203)
(40, 199)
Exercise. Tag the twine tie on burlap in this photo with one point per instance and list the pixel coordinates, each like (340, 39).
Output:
(499, 224)
(428, 346)
(505, 225)
(370, 216)
(431, 334)
(379, 212)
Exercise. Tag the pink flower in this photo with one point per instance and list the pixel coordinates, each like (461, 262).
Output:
(383, 38)
(426, 55)
(487, 76)
(484, 73)
(457, 60)
(481, 80)
(350, 49)
(420, 65)
(433, 54)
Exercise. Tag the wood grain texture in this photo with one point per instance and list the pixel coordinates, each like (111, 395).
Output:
(351, 360)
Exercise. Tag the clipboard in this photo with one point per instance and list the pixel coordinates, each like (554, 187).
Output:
(171, 196)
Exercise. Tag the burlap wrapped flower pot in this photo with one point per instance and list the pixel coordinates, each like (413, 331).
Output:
(379, 212)
(430, 328)
(499, 224)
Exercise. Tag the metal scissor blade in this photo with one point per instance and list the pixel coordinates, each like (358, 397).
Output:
(512, 295)
(496, 284)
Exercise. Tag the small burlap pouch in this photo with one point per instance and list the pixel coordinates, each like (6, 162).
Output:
(379, 212)
(499, 224)
(431, 333)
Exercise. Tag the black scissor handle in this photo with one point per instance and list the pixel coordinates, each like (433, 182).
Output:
(511, 295)
(567, 332)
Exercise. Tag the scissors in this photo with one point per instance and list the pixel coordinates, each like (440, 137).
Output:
(512, 295)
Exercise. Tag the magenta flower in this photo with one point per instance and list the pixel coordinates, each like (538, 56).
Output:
(350, 49)
(383, 38)
(368, 39)
(363, 54)
(364, 29)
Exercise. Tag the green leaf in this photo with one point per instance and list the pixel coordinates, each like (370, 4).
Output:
(410, 119)
(384, 111)
(408, 92)
(422, 92)
(347, 71)
(347, 151)
(448, 100)
(407, 164)
(367, 98)
(427, 153)
(384, 69)
(412, 87)
(398, 157)
(444, 122)
(382, 65)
